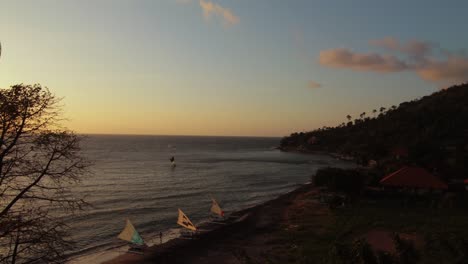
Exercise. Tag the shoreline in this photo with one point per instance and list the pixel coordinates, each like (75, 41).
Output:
(335, 155)
(119, 254)
(170, 251)
(107, 255)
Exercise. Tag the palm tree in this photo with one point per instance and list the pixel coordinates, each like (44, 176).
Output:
(373, 112)
(349, 117)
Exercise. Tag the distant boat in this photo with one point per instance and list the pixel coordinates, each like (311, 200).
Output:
(184, 221)
(169, 146)
(130, 234)
(215, 208)
(173, 164)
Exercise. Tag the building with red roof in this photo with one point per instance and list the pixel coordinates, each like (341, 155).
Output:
(413, 177)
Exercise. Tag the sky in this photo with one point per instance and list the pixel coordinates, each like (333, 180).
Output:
(237, 68)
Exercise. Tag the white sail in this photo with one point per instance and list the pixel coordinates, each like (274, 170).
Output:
(215, 208)
(184, 221)
(130, 234)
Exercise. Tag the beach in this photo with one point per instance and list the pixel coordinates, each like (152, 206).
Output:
(132, 179)
(257, 233)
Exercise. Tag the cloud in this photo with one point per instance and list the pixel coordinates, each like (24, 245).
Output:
(314, 85)
(454, 69)
(415, 56)
(212, 9)
(413, 48)
(344, 58)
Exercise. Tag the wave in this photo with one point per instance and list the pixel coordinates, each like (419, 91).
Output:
(132, 178)
(240, 160)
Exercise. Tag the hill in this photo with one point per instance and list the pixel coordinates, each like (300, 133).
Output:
(431, 131)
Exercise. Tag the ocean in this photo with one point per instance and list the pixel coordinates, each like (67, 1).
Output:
(132, 178)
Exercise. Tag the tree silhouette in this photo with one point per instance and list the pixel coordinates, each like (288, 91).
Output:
(39, 162)
(433, 129)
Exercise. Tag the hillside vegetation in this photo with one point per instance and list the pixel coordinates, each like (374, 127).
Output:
(431, 131)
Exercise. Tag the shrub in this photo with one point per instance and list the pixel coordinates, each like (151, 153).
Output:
(349, 181)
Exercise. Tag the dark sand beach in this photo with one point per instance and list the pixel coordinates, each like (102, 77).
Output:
(258, 233)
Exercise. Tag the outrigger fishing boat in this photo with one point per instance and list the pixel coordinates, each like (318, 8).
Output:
(216, 209)
(130, 235)
(184, 221)
(217, 214)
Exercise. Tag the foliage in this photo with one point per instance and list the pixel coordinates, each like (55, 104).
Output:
(360, 252)
(407, 253)
(349, 181)
(432, 128)
(444, 247)
(39, 162)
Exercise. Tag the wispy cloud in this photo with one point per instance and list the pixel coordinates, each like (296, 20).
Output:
(413, 48)
(212, 9)
(446, 68)
(454, 69)
(313, 85)
(345, 58)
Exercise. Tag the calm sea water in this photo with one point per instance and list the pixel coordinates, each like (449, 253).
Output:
(133, 178)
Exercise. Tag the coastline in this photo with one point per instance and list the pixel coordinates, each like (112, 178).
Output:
(305, 151)
(249, 222)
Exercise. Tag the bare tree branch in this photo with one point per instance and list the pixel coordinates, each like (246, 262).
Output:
(39, 161)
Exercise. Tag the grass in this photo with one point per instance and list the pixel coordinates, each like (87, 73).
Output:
(443, 228)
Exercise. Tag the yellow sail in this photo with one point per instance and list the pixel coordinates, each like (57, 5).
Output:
(184, 221)
(215, 208)
(130, 234)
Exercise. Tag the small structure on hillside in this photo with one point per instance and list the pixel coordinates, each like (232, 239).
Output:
(372, 163)
(312, 140)
(399, 152)
(413, 178)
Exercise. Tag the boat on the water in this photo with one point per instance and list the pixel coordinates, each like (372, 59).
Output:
(217, 214)
(184, 221)
(129, 234)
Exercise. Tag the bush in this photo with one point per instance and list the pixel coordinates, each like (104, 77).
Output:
(349, 181)
(406, 250)
(442, 247)
(359, 252)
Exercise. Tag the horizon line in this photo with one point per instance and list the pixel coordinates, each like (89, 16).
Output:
(166, 135)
